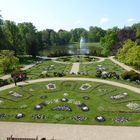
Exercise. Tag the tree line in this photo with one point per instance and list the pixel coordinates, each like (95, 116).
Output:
(24, 39)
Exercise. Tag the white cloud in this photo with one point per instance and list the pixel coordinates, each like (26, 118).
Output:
(130, 19)
(104, 20)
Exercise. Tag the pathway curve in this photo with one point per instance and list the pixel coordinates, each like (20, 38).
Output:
(126, 67)
(68, 132)
(75, 68)
(24, 68)
(101, 59)
(134, 89)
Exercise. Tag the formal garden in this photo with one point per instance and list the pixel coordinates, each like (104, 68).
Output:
(27, 54)
(71, 102)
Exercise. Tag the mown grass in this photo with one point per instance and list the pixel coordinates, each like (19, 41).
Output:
(90, 69)
(99, 103)
(35, 72)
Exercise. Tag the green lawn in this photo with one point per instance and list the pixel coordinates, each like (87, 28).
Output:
(26, 60)
(99, 103)
(90, 69)
(35, 72)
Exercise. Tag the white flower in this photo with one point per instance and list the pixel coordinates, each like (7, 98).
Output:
(133, 106)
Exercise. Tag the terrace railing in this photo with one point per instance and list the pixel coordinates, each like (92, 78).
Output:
(13, 138)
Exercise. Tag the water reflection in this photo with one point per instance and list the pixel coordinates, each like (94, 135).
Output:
(70, 49)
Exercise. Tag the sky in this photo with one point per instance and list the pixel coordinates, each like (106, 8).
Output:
(70, 14)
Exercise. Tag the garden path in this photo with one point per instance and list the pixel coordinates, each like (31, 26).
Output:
(126, 67)
(68, 132)
(134, 89)
(75, 68)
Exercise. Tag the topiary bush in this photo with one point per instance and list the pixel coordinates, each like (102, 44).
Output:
(132, 75)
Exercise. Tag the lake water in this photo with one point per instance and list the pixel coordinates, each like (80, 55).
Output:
(70, 49)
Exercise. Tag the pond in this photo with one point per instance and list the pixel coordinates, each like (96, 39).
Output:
(64, 50)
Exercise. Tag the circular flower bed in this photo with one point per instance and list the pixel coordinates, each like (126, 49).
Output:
(39, 116)
(85, 108)
(43, 97)
(79, 118)
(100, 119)
(64, 100)
(2, 115)
(38, 107)
(66, 94)
(121, 120)
(62, 108)
(133, 106)
(20, 115)
(86, 98)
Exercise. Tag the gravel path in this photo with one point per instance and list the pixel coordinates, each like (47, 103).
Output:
(68, 132)
(135, 89)
(126, 67)
(75, 68)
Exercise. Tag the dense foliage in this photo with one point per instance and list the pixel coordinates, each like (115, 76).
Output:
(129, 53)
(8, 61)
(131, 75)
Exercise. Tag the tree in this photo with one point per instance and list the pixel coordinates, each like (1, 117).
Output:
(46, 37)
(109, 40)
(12, 35)
(63, 37)
(2, 37)
(95, 34)
(8, 60)
(123, 52)
(129, 53)
(133, 56)
(136, 27)
(53, 37)
(30, 38)
(77, 33)
(1, 21)
(123, 35)
(32, 44)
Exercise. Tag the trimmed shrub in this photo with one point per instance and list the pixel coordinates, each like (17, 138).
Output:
(132, 75)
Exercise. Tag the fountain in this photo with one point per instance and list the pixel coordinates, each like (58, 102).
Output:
(83, 48)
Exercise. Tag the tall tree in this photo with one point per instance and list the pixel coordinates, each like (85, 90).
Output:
(136, 28)
(2, 37)
(123, 35)
(109, 40)
(12, 35)
(77, 33)
(95, 34)
(29, 38)
(63, 37)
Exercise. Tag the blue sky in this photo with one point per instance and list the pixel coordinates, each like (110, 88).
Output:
(68, 14)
